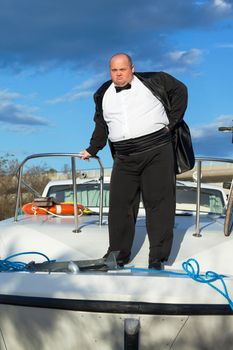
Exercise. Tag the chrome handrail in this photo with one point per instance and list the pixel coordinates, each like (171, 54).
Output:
(73, 157)
(199, 161)
(198, 203)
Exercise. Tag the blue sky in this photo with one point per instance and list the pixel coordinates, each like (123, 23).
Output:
(54, 54)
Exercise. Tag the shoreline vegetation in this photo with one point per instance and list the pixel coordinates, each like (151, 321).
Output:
(37, 176)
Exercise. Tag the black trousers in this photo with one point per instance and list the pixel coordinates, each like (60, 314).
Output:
(150, 174)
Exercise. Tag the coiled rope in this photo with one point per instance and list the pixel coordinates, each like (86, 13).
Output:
(192, 268)
(12, 266)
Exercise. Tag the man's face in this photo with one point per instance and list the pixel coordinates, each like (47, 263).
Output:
(120, 70)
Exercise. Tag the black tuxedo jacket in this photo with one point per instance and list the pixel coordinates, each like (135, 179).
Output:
(170, 91)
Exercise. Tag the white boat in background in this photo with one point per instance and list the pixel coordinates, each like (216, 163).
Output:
(64, 296)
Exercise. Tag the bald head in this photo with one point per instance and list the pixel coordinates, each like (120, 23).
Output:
(122, 56)
(121, 69)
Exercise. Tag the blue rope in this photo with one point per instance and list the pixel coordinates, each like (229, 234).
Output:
(192, 270)
(162, 272)
(191, 267)
(11, 266)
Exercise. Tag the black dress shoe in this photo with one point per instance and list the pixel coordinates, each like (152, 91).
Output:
(156, 264)
(122, 262)
(121, 259)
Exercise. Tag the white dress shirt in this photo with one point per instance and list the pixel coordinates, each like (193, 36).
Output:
(132, 113)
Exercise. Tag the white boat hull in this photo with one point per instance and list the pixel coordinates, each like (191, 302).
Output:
(93, 310)
(23, 328)
(89, 311)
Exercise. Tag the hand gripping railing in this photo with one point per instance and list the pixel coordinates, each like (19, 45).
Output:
(73, 157)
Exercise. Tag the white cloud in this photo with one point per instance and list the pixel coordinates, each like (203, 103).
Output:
(225, 46)
(78, 37)
(15, 114)
(206, 130)
(21, 129)
(91, 82)
(70, 97)
(6, 95)
(20, 115)
(222, 6)
(85, 89)
(182, 60)
(209, 141)
(186, 58)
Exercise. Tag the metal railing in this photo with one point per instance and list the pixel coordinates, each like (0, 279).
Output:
(73, 157)
(199, 161)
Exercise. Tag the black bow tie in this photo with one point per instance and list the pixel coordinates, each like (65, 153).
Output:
(120, 88)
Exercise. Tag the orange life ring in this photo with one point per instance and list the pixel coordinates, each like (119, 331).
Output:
(58, 209)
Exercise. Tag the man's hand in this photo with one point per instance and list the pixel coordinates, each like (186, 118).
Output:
(84, 155)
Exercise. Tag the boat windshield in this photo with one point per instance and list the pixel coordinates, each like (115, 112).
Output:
(211, 200)
(87, 193)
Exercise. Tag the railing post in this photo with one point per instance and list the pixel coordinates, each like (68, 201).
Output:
(18, 193)
(197, 224)
(73, 165)
(101, 204)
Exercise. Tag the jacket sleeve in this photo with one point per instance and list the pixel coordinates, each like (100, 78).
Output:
(177, 95)
(100, 134)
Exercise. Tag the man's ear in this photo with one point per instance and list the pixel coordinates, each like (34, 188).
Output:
(133, 69)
